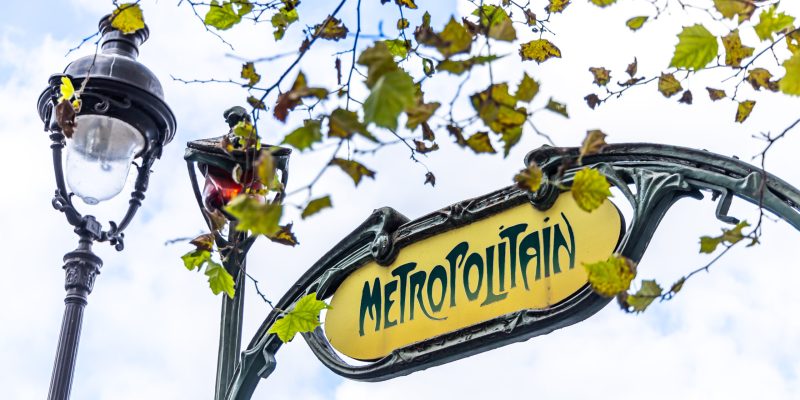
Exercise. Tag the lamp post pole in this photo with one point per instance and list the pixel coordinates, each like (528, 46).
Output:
(121, 115)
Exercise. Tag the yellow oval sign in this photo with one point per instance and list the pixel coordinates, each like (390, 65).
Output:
(520, 258)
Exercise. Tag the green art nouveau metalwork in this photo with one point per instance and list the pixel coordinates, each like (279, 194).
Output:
(651, 177)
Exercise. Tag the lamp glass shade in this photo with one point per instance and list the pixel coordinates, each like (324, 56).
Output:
(99, 156)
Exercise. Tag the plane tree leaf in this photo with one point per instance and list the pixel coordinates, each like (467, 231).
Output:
(302, 318)
(219, 279)
(315, 206)
(590, 189)
(539, 50)
(354, 169)
(127, 18)
(612, 276)
(695, 49)
(392, 93)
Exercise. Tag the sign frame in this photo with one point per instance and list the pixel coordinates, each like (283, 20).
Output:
(651, 177)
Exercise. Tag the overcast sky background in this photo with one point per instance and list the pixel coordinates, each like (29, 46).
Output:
(150, 330)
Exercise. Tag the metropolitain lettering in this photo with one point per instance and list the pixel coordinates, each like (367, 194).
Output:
(486, 275)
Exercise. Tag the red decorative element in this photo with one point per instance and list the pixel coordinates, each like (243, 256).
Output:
(220, 188)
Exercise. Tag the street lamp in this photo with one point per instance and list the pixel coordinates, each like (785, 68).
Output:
(218, 165)
(122, 117)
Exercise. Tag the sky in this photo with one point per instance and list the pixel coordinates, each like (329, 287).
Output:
(150, 329)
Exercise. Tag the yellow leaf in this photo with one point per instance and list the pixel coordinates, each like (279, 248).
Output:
(557, 6)
(735, 52)
(407, 3)
(744, 110)
(254, 215)
(67, 90)
(331, 29)
(402, 23)
(204, 242)
(455, 39)
(790, 83)
(612, 276)
(354, 169)
(760, 78)
(668, 85)
(716, 94)
(793, 41)
(593, 143)
(732, 8)
(530, 178)
(603, 3)
(590, 189)
(284, 236)
(527, 89)
(601, 75)
(480, 143)
(127, 18)
(770, 23)
(249, 73)
(539, 50)
(708, 244)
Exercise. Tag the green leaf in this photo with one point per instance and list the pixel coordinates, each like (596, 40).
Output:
(303, 317)
(249, 73)
(770, 22)
(636, 23)
(265, 169)
(556, 107)
(668, 85)
(790, 83)
(195, 259)
(127, 18)
(695, 49)
(612, 276)
(530, 178)
(315, 206)
(649, 291)
(305, 136)
(590, 189)
(244, 130)
(282, 19)
(708, 244)
(539, 50)
(556, 6)
(528, 88)
(730, 236)
(731, 8)
(255, 216)
(459, 67)
(331, 29)
(455, 39)
(344, 124)
(392, 93)
(354, 169)
(398, 47)
(603, 3)
(229, 13)
(735, 52)
(495, 21)
(256, 103)
(510, 137)
(379, 61)
(219, 280)
(601, 75)
(744, 109)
